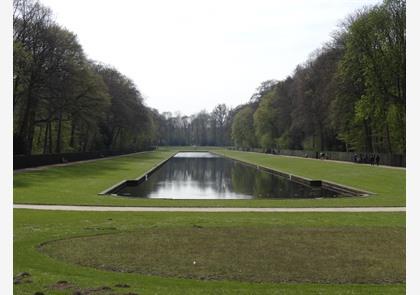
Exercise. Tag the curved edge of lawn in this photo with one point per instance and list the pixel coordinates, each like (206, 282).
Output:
(33, 227)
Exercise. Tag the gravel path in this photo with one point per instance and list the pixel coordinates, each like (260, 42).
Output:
(203, 209)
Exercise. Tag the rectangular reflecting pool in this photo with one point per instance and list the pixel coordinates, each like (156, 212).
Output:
(203, 175)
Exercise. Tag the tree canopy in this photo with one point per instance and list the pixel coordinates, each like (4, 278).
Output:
(348, 96)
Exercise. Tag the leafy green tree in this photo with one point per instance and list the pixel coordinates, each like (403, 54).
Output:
(375, 55)
(349, 95)
(127, 121)
(243, 133)
(272, 119)
(200, 124)
(31, 22)
(219, 118)
(265, 121)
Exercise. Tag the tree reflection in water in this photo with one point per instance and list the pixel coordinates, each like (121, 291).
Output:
(207, 176)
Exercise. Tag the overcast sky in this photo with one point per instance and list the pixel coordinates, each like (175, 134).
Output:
(191, 55)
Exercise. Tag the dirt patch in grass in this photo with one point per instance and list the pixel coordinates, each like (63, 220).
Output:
(275, 254)
(22, 278)
(76, 290)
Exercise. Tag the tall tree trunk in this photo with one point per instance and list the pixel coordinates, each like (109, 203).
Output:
(39, 137)
(26, 123)
(321, 136)
(115, 138)
(16, 83)
(368, 137)
(85, 143)
(31, 131)
(95, 135)
(73, 128)
(50, 147)
(58, 141)
(388, 138)
(47, 128)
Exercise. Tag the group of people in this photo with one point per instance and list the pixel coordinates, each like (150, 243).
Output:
(371, 159)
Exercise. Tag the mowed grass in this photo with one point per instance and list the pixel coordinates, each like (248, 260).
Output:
(250, 254)
(387, 183)
(80, 184)
(374, 235)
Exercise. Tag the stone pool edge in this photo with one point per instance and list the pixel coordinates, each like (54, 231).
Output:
(110, 190)
(342, 189)
(352, 191)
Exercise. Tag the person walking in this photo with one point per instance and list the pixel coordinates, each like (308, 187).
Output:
(377, 159)
(372, 159)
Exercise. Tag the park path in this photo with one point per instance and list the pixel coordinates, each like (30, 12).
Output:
(202, 209)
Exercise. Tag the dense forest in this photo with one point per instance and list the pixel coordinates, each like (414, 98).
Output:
(348, 96)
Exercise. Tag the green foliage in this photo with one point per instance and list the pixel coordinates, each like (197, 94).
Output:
(265, 121)
(203, 128)
(375, 59)
(63, 102)
(243, 128)
(349, 95)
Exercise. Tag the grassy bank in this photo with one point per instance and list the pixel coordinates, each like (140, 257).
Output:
(387, 183)
(32, 228)
(80, 184)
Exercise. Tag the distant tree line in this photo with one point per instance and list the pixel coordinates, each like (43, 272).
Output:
(203, 128)
(348, 96)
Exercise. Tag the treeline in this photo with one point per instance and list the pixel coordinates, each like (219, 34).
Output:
(349, 96)
(62, 101)
(203, 128)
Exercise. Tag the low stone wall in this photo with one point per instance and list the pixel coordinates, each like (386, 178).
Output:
(22, 161)
(385, 159)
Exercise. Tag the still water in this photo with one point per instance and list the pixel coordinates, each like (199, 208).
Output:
(202, 175)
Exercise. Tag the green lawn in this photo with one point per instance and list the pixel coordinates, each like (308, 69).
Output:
(245, 253)
(368, 255)
(33, 228)
(81, 183)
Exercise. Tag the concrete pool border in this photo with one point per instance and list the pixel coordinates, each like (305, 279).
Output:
(111, 190)
(352, 191)
(314, 183)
